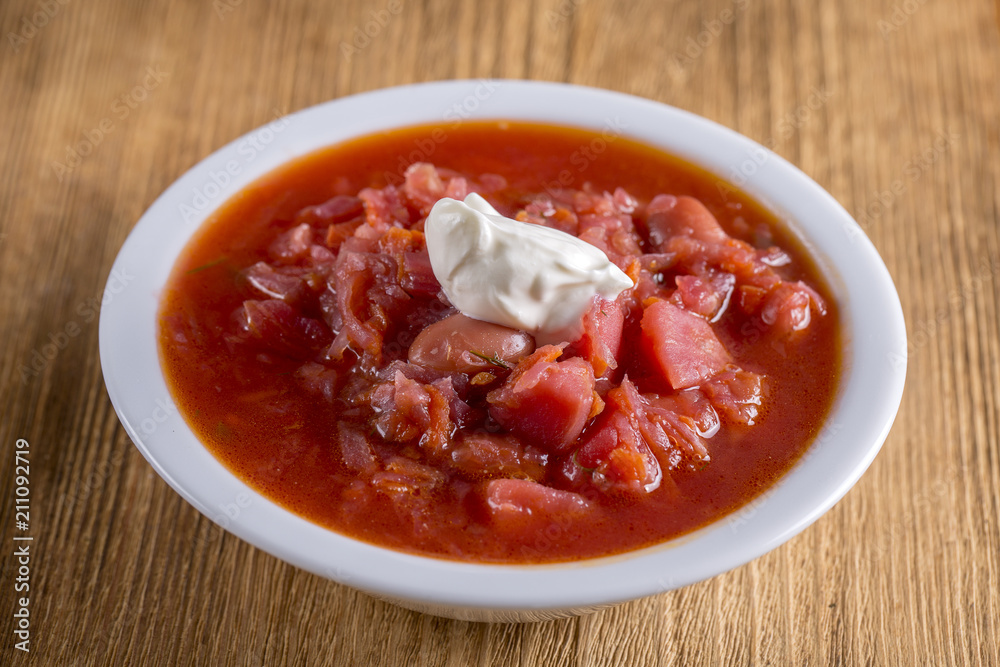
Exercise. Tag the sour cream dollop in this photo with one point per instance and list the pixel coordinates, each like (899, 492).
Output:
(521, 275)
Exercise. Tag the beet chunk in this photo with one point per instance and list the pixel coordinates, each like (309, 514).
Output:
(336, 210)
(544, 401)
(601, 340)
(520, 505)
(276, 284)
(682, 345)
(737, 394)
(485, 456)
(283, 330)
(618, 456)
(671, 216)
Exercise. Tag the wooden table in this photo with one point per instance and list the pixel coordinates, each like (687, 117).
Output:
(892, 105)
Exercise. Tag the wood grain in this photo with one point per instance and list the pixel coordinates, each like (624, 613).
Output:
(892, 106)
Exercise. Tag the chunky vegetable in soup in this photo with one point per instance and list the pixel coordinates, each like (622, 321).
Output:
(308, 341)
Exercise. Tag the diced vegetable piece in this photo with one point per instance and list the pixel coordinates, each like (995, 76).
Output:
(355, 450)
(521, 504)
(340, 232)
(544, 401)
(423, 186)
(707, 296)
(417, 275)
(424, 375)
(672, 435)
(293, 245)
(670, 216)
(460, 412)
(750, 298)
(318, 380)
(408, 410)
(602, 335)
(281, 329)
(788, 307)
(397, 240)
(384, 209)
(543, 212)
(610, 229)
(682, 345)
(694, 405)
(369, 298)
(411, 488)
(618, 457)
(649, 430)
(408, 478)
(737, 395)
(277, 285)
(483, 456)
(336, 210)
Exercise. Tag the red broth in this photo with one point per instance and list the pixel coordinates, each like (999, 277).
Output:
(259, 363)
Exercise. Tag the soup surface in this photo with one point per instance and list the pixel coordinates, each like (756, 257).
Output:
(306, 340)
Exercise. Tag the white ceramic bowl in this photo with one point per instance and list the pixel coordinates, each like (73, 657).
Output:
(868, 399)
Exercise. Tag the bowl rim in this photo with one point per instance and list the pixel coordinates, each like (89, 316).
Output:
(868, 399)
